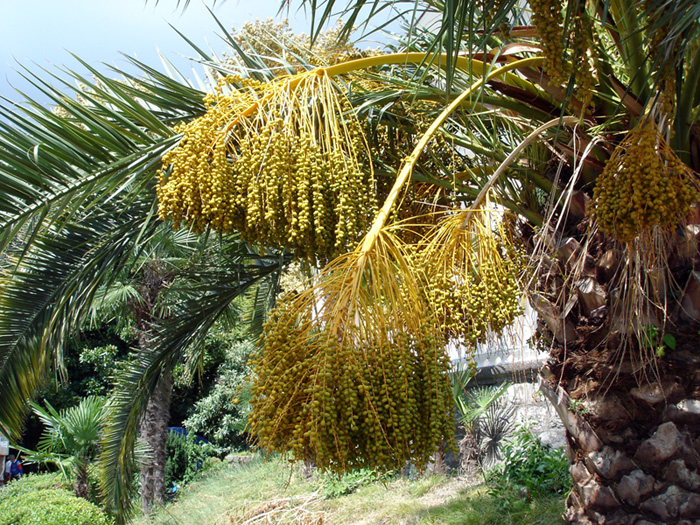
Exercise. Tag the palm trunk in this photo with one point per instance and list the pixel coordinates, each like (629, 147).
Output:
(154, 430)
(633, 428)
(633, 451)
(81, 485)
(469, 454)
(154, 423)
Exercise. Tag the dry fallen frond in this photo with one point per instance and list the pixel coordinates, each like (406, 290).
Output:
(283, 510)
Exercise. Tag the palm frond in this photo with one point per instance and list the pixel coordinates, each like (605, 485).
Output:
(52, 161)
(178, 337)
(50, 292)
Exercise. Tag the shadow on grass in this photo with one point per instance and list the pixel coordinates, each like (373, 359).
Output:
(479, 508)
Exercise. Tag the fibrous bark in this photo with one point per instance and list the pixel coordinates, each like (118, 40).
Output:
(154, 430)
(154, 423)
(632, 424)
(634, 454)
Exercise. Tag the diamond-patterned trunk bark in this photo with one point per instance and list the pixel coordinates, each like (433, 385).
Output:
(154, 430)
(634, 451)
(630, 403)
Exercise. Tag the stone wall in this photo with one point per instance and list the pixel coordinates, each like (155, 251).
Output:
(534, 408)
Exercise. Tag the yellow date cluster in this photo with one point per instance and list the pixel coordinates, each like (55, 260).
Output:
(644, 184)
(282, 164)
(345, 405)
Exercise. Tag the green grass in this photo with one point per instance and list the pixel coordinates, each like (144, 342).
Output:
(234, 495)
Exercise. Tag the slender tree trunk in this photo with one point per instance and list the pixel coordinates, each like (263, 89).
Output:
(82, 486)
(154, 423)
(154, 430)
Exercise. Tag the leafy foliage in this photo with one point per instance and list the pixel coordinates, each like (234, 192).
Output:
(337, 485)
(39, 499)
(221, 416)
(186, 458)
(530, 466)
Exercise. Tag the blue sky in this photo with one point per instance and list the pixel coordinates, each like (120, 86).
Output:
(44, 33)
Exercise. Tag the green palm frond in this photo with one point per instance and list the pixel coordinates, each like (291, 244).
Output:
(78, 199)
(178, 337)
(99, 139)
(50, 292)
(70, 437)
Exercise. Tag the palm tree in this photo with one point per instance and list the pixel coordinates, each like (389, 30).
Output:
(78, 210)
(148, 291)
(551, 122)
(591, 146)
(70, 440)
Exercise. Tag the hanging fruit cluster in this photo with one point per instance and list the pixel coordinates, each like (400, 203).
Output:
(474, 286)
(547, 18)
(560, 24)
(282, 163)
(644, 184)
(345, 402)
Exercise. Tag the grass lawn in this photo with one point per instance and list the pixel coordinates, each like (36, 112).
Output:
(271, 492)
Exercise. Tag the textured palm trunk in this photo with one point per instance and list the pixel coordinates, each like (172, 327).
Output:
(633, 449)
(82, 486)
(154, 430)
(154, 423)
(633, 426)
(469, 454)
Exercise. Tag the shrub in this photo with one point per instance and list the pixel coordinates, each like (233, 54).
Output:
(186, 458)
(221, 416)
(34, 482)
(213, 463)
(42, 499)
(529, 467)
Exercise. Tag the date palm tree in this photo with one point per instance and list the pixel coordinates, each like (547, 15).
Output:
(571, 140)
(606, 213)
(592, 145)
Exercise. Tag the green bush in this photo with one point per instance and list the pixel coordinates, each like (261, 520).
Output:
(530, 468)
(34, 482)
(185, 460)
(43, 499)
(221, 415)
